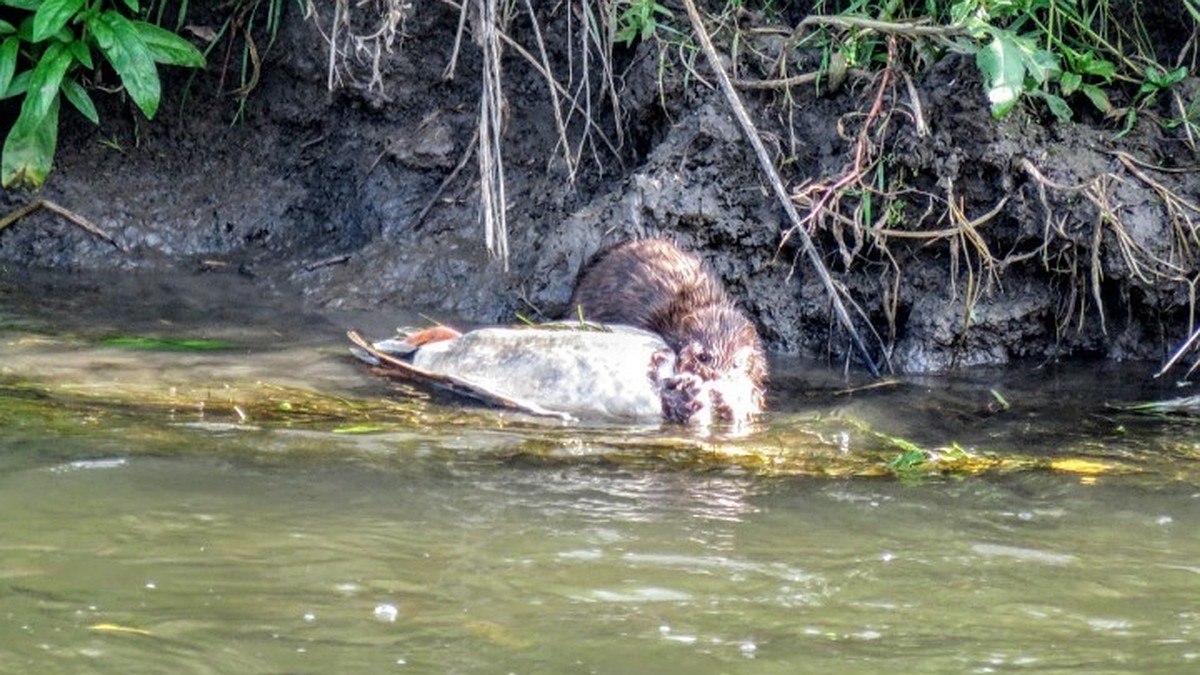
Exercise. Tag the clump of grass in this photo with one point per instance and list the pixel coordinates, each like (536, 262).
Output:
(238, 43)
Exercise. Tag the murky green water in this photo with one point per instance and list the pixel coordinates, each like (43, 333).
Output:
(192, 542)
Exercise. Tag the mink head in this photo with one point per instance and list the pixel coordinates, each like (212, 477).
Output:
(721, 357)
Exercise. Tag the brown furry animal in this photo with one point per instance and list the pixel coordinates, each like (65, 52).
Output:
(653, 284)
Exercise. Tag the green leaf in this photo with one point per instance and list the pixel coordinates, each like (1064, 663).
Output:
(962, 11)
(25, 29)
(1058, 107)
(81, 52)
(1098, 98)
(8, 61)
(1157, 78)
(127, 52)
(7, 28)
(1176, 76)
(1102, 68)
(79, 98)
(29, 149)
(1003, 70)
(167, 47)
(1040, 64)
(19, 85)
(52, 16)
(45, 81)
(133, 6)
(28, 5)
(1070, 82)
(1130, 121)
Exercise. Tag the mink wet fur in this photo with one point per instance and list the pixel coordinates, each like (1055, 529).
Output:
(655, 285)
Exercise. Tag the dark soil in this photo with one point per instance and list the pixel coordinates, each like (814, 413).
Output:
(321, 192)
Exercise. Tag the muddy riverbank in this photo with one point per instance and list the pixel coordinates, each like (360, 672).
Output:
(1015, 239)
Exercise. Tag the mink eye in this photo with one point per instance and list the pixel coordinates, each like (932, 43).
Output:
(704, 358)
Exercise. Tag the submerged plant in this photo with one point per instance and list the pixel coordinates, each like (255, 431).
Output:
(48, 53)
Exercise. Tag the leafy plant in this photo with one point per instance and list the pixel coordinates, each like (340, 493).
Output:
(637, 19)
(1045, 51)
(52, 45)
(1052, 49)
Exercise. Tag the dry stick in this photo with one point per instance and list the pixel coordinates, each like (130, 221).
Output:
(590, 30)
(606, 58)
(887, 27)
(1172, 201)
(558, 118)
(835, 73)
(780, 83)
(493, 209)
(339, 8)
(1179, 353)
(452, 66)
(902, 28)
(562, 91)
(471, 145)
(62, 211)
(739, 111)
(255, 68)
(947, 232)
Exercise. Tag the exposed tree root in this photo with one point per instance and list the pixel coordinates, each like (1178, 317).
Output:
(1144, 266)
(768, 168)
(489, 20)
(493, 207)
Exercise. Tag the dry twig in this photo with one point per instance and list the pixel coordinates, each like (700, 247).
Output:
(493, 209)
(70, 215)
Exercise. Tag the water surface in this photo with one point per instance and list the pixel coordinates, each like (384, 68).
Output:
(138, 540)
